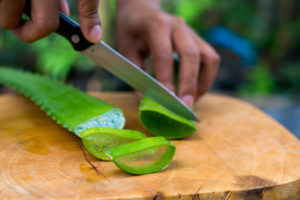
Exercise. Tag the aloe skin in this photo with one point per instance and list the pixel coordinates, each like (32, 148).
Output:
(97, 123)
(68, 106)
(160, 121)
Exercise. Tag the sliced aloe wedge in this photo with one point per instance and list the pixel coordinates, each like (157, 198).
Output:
(98, 140)
(162, 122)
(145, 156)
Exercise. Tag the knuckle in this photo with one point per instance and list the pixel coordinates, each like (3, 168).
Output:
(204, 87)
(90, 14)
(165, 58)
(191, 53)
(166, 82)
(179, 21)
(53, 24)
(8, 25)
(4, 25)
(29, 39)
(187, 88)
(189, 83)
(215, 59)
(159, 20)
(50, 26)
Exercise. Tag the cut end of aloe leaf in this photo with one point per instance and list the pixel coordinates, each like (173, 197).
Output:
(98, 140)
(162, 122)
(145, 156)
(111, 119)
(68, 106)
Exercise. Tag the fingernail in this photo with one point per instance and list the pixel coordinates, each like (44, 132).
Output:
(188, 100)
(95, 34)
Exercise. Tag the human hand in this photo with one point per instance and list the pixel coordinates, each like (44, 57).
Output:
(143, 28)
(45, 18)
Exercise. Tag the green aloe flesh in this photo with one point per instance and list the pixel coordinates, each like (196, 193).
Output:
(162, 122)
(145, 156)
(97, 123)
(99, 140)
(73, 109)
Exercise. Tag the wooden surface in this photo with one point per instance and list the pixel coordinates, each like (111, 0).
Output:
(237, 153)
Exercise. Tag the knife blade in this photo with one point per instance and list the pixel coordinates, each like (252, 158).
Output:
(114, 62)
(127, 71)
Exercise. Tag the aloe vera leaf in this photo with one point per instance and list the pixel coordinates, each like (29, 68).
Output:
(162, 122)
(145, 156)
(98, 140)
(70, 107)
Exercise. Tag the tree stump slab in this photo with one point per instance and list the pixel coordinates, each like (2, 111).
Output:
(238, 152)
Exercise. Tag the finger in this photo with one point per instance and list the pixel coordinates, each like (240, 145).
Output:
(44, 20)
(89, 20)
(210, 65)
(189, 55)
(11, 13)
(139, 95)
(129, 48)
(64, 6)
(160, 45)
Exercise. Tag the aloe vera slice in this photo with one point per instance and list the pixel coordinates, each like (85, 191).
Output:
(68, 106)
(98, 140)
(162, 122)
(145, 156)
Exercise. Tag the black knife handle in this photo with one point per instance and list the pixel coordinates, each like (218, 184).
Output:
(68, 28)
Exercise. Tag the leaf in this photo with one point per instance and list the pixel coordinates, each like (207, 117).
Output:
(73, 109)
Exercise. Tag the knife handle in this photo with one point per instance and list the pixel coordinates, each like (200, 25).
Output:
(68, 28)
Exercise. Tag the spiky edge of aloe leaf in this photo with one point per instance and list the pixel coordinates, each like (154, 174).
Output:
(163, 122)
(66, 105)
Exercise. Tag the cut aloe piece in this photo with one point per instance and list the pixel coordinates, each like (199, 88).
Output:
(161, 121)
(98, 140)
(73, 109)
(145, 156)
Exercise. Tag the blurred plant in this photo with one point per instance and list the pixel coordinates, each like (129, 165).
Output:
(52, 56)
(56, 57)
(261, 81)
(288, 79)
(273, 25)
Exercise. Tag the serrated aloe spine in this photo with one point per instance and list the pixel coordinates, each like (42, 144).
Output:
(70, 107)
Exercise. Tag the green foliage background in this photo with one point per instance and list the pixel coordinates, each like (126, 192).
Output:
(274, 25)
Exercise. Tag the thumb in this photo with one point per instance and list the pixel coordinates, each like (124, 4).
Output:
(89, 20)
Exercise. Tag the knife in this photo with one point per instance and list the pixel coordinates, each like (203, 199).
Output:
(115, 63)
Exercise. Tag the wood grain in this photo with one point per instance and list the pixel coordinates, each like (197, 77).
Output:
(238, 152)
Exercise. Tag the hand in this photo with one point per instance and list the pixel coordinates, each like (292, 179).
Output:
(45, 18)
(142, 28)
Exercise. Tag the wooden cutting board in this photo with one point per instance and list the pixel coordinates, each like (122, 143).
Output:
(238, 152)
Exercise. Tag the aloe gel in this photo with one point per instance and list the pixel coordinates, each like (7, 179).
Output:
(145, 156)
(96, 122)
(98, 140)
